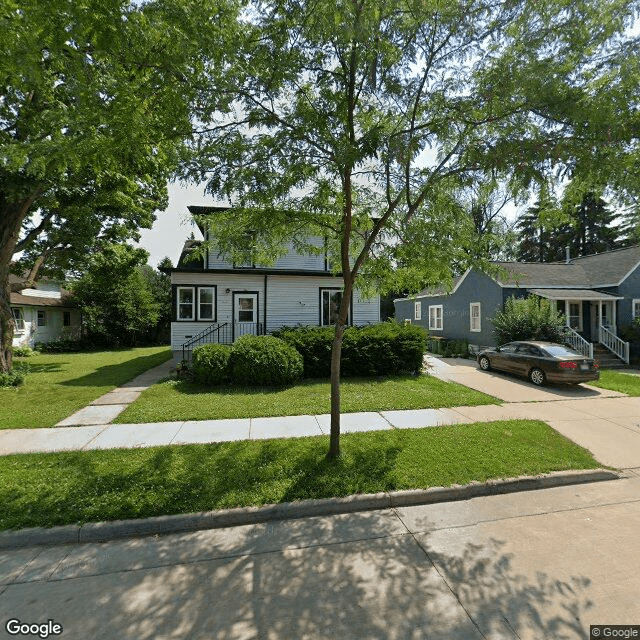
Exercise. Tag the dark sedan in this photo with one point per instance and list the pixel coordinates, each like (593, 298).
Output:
(540, 362)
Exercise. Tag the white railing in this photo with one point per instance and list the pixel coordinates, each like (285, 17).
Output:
(577, 342)
(615, 344)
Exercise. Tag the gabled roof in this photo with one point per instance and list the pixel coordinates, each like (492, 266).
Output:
(607, 269)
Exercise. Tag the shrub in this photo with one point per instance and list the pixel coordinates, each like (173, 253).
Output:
(631, 333)
(448, 348)
(65, 345)
(383, 349)
(13, 378)
(211, 363)
(264, 361)
(23, 352)
(529, 318)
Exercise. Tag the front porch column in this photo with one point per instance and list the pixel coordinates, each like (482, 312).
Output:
(599, 318)
(614, 304)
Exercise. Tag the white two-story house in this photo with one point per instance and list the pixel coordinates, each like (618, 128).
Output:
(214, 300)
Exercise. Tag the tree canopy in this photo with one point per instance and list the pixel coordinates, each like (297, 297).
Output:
(95, 99)
(364, 121)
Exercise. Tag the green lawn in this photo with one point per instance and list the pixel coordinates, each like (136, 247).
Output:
(86, 486)
(59, 384)
(618, 381)
(184, 400)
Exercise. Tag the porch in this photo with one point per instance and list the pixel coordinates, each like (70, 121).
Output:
(591, 318)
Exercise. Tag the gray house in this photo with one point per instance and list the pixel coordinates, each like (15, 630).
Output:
(598, 294)
(215, 300)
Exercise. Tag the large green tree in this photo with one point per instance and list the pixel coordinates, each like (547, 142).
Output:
(119, 306)
(94, 99)
(362, 122)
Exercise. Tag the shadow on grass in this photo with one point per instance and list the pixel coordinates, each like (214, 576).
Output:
(346, 577)
(117, 374)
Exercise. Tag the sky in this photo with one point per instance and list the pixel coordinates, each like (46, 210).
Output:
(174, 225)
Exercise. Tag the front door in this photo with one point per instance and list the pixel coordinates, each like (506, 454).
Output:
(245, 314)
(607, 318)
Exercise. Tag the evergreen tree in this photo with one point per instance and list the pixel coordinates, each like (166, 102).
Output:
(535, 230)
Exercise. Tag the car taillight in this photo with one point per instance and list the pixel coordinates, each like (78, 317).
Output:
(568, 365)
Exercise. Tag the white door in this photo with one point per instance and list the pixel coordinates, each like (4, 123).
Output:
(245, 314)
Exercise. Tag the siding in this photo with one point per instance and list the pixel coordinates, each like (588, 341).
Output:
(290, 300)
(630, 289)
(476, 287)
(54, 328)
(292, 260)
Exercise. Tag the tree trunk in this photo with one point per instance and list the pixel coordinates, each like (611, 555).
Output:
(336, 352)
(11, 216)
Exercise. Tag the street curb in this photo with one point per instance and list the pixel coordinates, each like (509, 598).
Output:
(118, 529)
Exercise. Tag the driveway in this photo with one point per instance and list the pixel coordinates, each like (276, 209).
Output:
(507, 387)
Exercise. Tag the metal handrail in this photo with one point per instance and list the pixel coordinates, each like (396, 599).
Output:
(614, 344)
(200, 337)
(577, 342)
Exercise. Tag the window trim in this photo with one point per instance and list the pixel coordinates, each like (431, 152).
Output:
(568, 304)
(66, 314)
(471, 317)
(214, 289)
(18, 319)
(180, 288)
(634, 301)
(434, 326)
(44, 318)
(417, 310)
(321, 291)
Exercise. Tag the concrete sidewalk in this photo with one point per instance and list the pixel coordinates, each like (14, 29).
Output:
(530, 566)
(608, 427)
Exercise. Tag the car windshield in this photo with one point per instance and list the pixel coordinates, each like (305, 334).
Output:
(560, 350)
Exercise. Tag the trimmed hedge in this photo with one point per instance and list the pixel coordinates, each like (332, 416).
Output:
(211, 363)
(382, 349)
(264, 361)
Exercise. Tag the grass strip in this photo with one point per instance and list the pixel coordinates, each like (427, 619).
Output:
(87, 486)
(618, 381)
(185, 400)
(59, 384)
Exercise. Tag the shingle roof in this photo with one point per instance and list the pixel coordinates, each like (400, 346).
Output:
(40, 301)
(440, 290)
(186, 260)
(597, 270)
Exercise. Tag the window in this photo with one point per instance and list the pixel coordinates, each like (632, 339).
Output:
(42, 318)
(635, 308)
(330, 301)
(475, 323)
(206, 303)
(435, 317)
(18, 318)
(575, 315)
(417, 310)
(66, 318)
(186, 303)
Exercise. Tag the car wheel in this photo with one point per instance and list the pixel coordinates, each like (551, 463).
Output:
(484, 363)
(537, 377)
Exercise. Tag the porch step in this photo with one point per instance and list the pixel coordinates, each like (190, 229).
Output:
(606, 358)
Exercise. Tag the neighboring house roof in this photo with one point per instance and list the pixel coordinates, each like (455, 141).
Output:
(35, 298)
(607, 269)
(598, 270)
(40, 301)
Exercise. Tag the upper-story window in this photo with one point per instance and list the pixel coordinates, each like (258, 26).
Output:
(417, 310)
